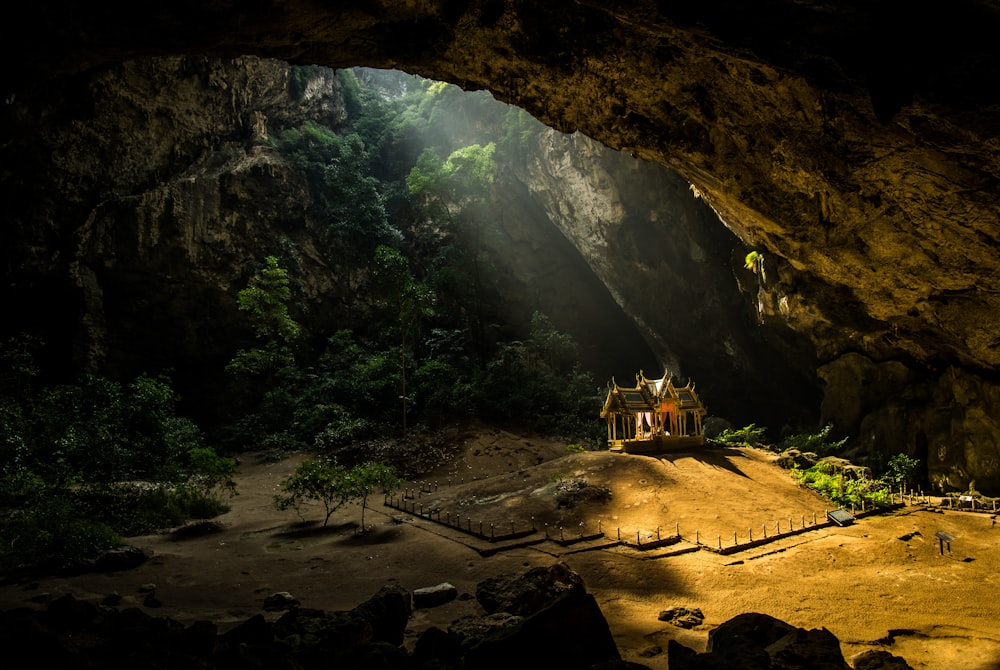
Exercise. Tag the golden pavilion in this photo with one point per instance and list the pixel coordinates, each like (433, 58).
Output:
(654, 416)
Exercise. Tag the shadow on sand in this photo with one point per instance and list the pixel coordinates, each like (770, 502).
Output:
(717, 457)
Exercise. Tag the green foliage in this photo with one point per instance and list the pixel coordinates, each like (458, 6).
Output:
(752, 261)
(53, 533)
(98, 430)
(210, 474)
(345, 196)
(903, 470)
(82, 464)
(17, 364)
(534, 383)
(467, 172)
(321, 480)
(426, 174)
(266, 301)
(140, 508)
(555, 350)
(817, 443)
(842, 490)
(747, 436)
(324, 481)
(366, 478)
(443, 392)
(342, 430)
(410, 300)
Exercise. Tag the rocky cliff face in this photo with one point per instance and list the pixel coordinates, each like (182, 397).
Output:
(162, 233)
(149, 203)
(676, 271)
(853, 144)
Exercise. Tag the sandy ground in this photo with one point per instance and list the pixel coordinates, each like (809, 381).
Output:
(880, 583)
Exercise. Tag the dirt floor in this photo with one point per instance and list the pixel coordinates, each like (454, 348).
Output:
(879, 583)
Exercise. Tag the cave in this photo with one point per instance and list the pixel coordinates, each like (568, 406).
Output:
(854, 146)
(851, 149)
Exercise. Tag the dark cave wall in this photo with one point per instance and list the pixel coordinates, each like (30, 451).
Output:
(853, 144)
(617, 252)
(146, 278)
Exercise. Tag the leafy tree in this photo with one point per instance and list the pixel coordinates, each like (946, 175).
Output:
(324, 481)
(410, 300)
(466, 173)
(529, 382)
(266, 300)
(903, 470)
(443, 391)
(555, 350)
(346, 199)
(211, 474)
(321, 480)
(53, 534)
(426, 174)
(99, 431)
(454, 194)
(364, 479)
(70, 458)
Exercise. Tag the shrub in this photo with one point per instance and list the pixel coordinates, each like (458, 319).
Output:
(747, 436)
(132, 508)
(342, 431)
(902, 470)
(209, 474)
(818, 443)
(841, 490)
(53, 534)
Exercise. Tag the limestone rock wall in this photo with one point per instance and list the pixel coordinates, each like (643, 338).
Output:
(149, 204)
(854, 144)
(673, 268)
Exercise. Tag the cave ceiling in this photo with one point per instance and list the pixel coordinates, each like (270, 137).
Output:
(854, 142)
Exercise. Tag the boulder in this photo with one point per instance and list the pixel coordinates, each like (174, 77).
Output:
(123, 558)
(387, 611)
(432, 596)
(843, 466)
(790, 458)
(437, 648)
(755, 641)
(527, 593)
(877, 659)
(682, 617)
(470, 630)
(282, 600)
(571, 632)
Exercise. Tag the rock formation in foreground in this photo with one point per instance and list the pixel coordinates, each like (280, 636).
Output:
(543, 618)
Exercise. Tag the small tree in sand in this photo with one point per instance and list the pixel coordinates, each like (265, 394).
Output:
(321, 480)
(362, 480)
